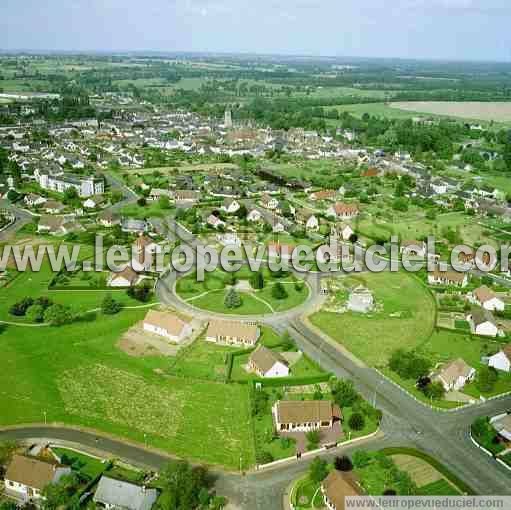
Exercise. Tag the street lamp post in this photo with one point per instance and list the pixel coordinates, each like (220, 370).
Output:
(45, 420)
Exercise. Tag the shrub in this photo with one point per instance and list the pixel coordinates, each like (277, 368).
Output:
(278, 291)
(257, 280)
(486, 379)
(20, 308)
(58, 315)
(264, 457)
(356, 421)
(141, 292)
(343, 463)
(408, 364)
(110, 306)
(35, 313)
(313, 438)
(318, 470)
(361, 459)
(344, 393)
(232, 299)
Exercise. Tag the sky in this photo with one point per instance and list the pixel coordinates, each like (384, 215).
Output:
(424, 29)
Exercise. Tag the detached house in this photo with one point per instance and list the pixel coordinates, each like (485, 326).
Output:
(486, 298)
(232, 333)
(454, 375)
(26, 477)
(125, 278)
(269, 202)
(215, 221)
(109, 219)
(501, 360)
(502, 424)
(448, 277)
(254, 216)
(167, 325)
(343, 211)
(336, 486)
(266, 363)
(413, 248)
(327, 194)
(33, 200)
(307, 219)
(483, 323)
(304, 415)
(115, 494)
(230, 205)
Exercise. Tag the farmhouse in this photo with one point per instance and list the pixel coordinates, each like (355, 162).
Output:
(486, 298)
(167, 325)
(336, 486)
(303, 416)
(502, 424)
(113, 493)
(125, 278)
(501, 360)
(232, 333)
(448, 277)
(343, 211)
(483, 323)
(266, 363)
(454, 375)
(26, 477)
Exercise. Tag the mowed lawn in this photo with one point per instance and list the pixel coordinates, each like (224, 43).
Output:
(404, 317)
(77, 376)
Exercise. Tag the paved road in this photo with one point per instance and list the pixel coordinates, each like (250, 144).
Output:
(21, 218)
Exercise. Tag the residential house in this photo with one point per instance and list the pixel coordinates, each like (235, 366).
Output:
(308, 219)
(142, 253)
(157, 193)
(186, 196)
(304, 415)
(230, 205)
(125, 278)
(482, 322)
(269, 202)
(168, 325)
(501, 360)
(454, 375)
(254, 216)
(109, 219)
(448, 277)
(26, 477)
(342, 231)
(116, 494)
(502, 424)
(50, 224)
(337, 486)
(215, 221)
(327, 194)
(94, 201)
(343, 211)
(280, 250)
(360, 300)
(233, 333)
(53, 207)
(133, 226)
(485, 297)
(266, 363)
(413, 248)
(33, 200)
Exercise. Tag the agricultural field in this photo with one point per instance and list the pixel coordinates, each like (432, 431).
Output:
(378, 109)
(403, 305)
(484, 111)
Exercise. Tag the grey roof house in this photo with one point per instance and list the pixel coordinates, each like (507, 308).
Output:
(113, 493)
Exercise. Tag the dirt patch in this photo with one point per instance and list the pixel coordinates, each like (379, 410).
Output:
(420, 471)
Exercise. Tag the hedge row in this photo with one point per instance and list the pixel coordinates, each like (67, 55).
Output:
(412, 452)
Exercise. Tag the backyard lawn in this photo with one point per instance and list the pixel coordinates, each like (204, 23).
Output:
(404, 318)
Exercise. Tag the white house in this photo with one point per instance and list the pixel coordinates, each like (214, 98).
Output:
(454, 375)
(33, 200)
(438, 277)
(117, 494)
(26, 477)
(486, 298)
(266, 363)
(304, 415)
(230, 205)
(501, 360)
(254, 216)
(502, 424)
(167, 325)
(214, 221)
(269, 202)
(483, 323)
(343, 231)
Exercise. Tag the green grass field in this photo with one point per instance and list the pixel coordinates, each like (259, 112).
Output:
(405, 318)
(77, 376)
(210, 294)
